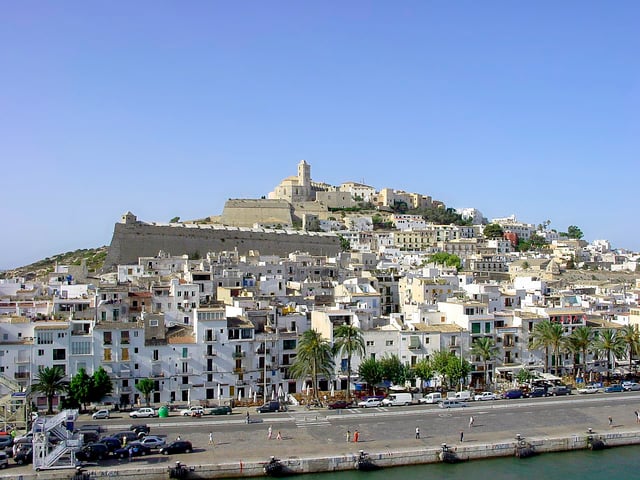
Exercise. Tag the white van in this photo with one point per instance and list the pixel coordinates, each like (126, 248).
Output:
(452, 404)
(395, 399)
(434, 397)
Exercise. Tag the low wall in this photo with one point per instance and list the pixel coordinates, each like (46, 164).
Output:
(417, 456)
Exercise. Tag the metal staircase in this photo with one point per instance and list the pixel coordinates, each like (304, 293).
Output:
(54, 443)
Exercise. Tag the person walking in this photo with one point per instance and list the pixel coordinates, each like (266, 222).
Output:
(636, 412)
(279, 436)
(610, 422)
(348, 436)
(471, 420)
(461, 436)
(417, 433)
(356, 436)
(269, 433)
(248, 418)
(210, 438)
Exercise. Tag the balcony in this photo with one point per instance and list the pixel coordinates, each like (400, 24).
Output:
(211, 353)
(126, 390)
(23, 360)
(239, 370)
(240, 383)
(238, 354)
(209, 338)
(22, 375)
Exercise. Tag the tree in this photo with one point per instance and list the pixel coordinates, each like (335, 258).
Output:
(393, 370)
(493, 230)
(424, 370)
(81, 388)
(439, 362)
(609, 343)
(458, 369)
(314, 359)
(580, 341)
(486, 349)
(630, 336)
(556, 342)
(574, 232)
(102, 385)
(50, 382)
(146, 386)
(540, 338)
(370, 371)
(448, 259)
(348, 340)
(345, 245)
(523, 376)
(174, 220)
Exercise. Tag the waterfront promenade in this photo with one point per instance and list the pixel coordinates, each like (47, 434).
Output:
(316, 440)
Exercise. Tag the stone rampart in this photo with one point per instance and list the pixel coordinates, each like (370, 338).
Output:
(140, 239)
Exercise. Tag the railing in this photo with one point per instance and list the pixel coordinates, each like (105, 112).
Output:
(238, 370)
(239, 354)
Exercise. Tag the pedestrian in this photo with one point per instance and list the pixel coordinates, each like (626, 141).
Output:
(417, 433)
(124, 441)
(348, 436)
(210, 438)
(461, 436)
(636, 412)
(269, 433)
(610, 421)
(356, 436)
(248, 418)
(279, 436)
(130, 453)
(178, 438)
(471, 420)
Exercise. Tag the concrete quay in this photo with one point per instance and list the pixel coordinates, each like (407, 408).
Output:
(316, 442)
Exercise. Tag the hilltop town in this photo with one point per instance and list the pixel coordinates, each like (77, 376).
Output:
(213, 309)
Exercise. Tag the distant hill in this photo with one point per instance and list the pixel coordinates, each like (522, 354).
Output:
(94, 257)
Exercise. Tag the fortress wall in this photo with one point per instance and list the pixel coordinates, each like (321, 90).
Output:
(133, 240)
(247, 212)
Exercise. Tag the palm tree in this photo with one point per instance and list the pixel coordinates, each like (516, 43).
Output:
(314, 358)
(486, 349)
(50, 382)
(556, 342)
(540, 339)
(348, 341)
(580, 341)
(630, 336)
(609, 343)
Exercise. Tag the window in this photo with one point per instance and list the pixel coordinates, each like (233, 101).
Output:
(135, 350)
(107, 355)
(124, 356)
(370, 343)
(153, 323)
(487, 327)
(59, 353)
(124, 336)
(185, 352)
(44, 338)
(61, 334)
(40, 353)
(389, 343)
(106, 337)
(156, 355)
(289, 344)
(475, 327)
(80, 348)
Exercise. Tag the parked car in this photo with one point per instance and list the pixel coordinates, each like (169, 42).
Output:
(370, 402)
(589, 389)
(6, 441)
(221, 410)
(24, 455)
(537, 392)
(143, 412)
(101, 414)
(196, 411)
(95, 427)
(396, 399)
(131, 436)
(512, 394)
(560, 390)
(4, 460)
(614, 388)
(449, 403)
(93, 452)
(179, 446)
(89, 436)
(269, 407)
(112, 443)
(433, 397)
(631, 386)
(485, 396)
(464, 395)
(140, 429)
(339, 404)
(151, 441)
(135, 449)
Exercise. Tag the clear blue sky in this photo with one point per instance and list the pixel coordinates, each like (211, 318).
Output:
(170, 108)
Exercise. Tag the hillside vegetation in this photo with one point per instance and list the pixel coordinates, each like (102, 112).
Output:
(94, 257)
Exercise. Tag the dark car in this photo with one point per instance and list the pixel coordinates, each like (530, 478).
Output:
(221, 410)
(614, 388)
(514, 393)
(133, 450)
(269, 407)
(537, 392)
(339, 404)
(140, 429)
(129, 435)
(560, 390)
(179, 446)
(6, 441)
(24, 456)
(90, 436)
(92, 452)
(96, 428)
(112, 443)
